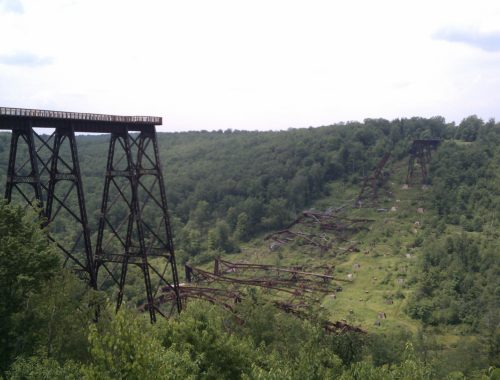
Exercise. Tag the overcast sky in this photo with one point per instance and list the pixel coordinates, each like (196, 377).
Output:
(270, 64)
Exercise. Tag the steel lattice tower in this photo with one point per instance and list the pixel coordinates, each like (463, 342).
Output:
(45, 172)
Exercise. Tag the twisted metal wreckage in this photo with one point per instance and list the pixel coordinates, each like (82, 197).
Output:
(45, 172)
(299, 286)
(327, 223)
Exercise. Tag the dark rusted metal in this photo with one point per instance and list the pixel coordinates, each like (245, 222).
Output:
(136, 185)
(63, 172)
(292, 281)
(81, 122)
(332, 229)
(17, 176)
(373, 182)
(133, 180)
(43, 170)
(221, 289)
(229, 298)
(200, 276)
(329, 326)
(420, 153)
(219, 296)
(295, 274)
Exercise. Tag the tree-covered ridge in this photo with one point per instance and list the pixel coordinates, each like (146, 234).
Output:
(225, 188)
(459, 282)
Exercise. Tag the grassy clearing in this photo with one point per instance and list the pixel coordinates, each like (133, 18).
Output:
(383, 271)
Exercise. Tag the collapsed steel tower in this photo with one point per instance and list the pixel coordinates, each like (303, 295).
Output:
(45, 172)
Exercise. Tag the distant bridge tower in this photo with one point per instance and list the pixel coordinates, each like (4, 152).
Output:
(420, 153)
(372, 183)
(134, 228)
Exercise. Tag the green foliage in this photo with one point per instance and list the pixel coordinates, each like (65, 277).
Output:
(465, 179)
(55, 320)
(469, 128)
(292, 348)
(43, 368)
(242, 229)
(457, 283)
(27, 261)
(278, 214)
(225, 188)
(411, 368)
(268, 176)
(219, 238)
(200, 332)
(127, 348)
(387, 348)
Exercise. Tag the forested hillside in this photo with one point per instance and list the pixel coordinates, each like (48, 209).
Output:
(231, 185)
(435, 272)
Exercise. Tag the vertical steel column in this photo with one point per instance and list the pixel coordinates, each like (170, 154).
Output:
(60, 170)
(411, 166)
(104, 256)
(136, 219)
(133, 243)
(168, 246)
(14, 173)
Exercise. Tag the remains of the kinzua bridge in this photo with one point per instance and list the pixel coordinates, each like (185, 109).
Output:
(44, 170)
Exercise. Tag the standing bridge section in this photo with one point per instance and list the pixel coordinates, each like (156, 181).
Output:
(133, 229)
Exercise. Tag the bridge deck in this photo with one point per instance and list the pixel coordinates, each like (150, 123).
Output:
(81, 122)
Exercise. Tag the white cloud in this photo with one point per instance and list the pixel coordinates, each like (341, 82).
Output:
(487, 41)
(252, 65)
(24, 59)
(14, 6)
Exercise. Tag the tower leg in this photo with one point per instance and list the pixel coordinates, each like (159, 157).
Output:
(17, 173)
(65, 175)
(134, 181)
(165, 239)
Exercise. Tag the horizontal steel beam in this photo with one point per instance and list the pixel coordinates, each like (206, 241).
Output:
(12, 118)
(33, 113)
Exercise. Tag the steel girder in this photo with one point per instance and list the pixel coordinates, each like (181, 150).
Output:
(134, 183)
(44, 171)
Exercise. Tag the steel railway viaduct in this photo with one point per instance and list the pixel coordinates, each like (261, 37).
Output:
(44, 171)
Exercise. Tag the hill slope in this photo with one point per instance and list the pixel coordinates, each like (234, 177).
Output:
(434, 271)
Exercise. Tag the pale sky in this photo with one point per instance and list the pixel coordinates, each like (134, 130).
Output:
(255, 65)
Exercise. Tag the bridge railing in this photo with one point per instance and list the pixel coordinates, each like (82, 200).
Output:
(26, 112)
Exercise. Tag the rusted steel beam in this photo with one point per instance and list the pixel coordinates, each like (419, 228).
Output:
(50, 174)
(372, 183)
(134, 182)
(227, 299)
(332, 327)
(35, 113)
(341, 227)
(198, 275)
(296, 283)
(271, 268)
(82, 122)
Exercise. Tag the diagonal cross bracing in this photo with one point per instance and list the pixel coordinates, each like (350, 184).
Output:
(45, 172)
